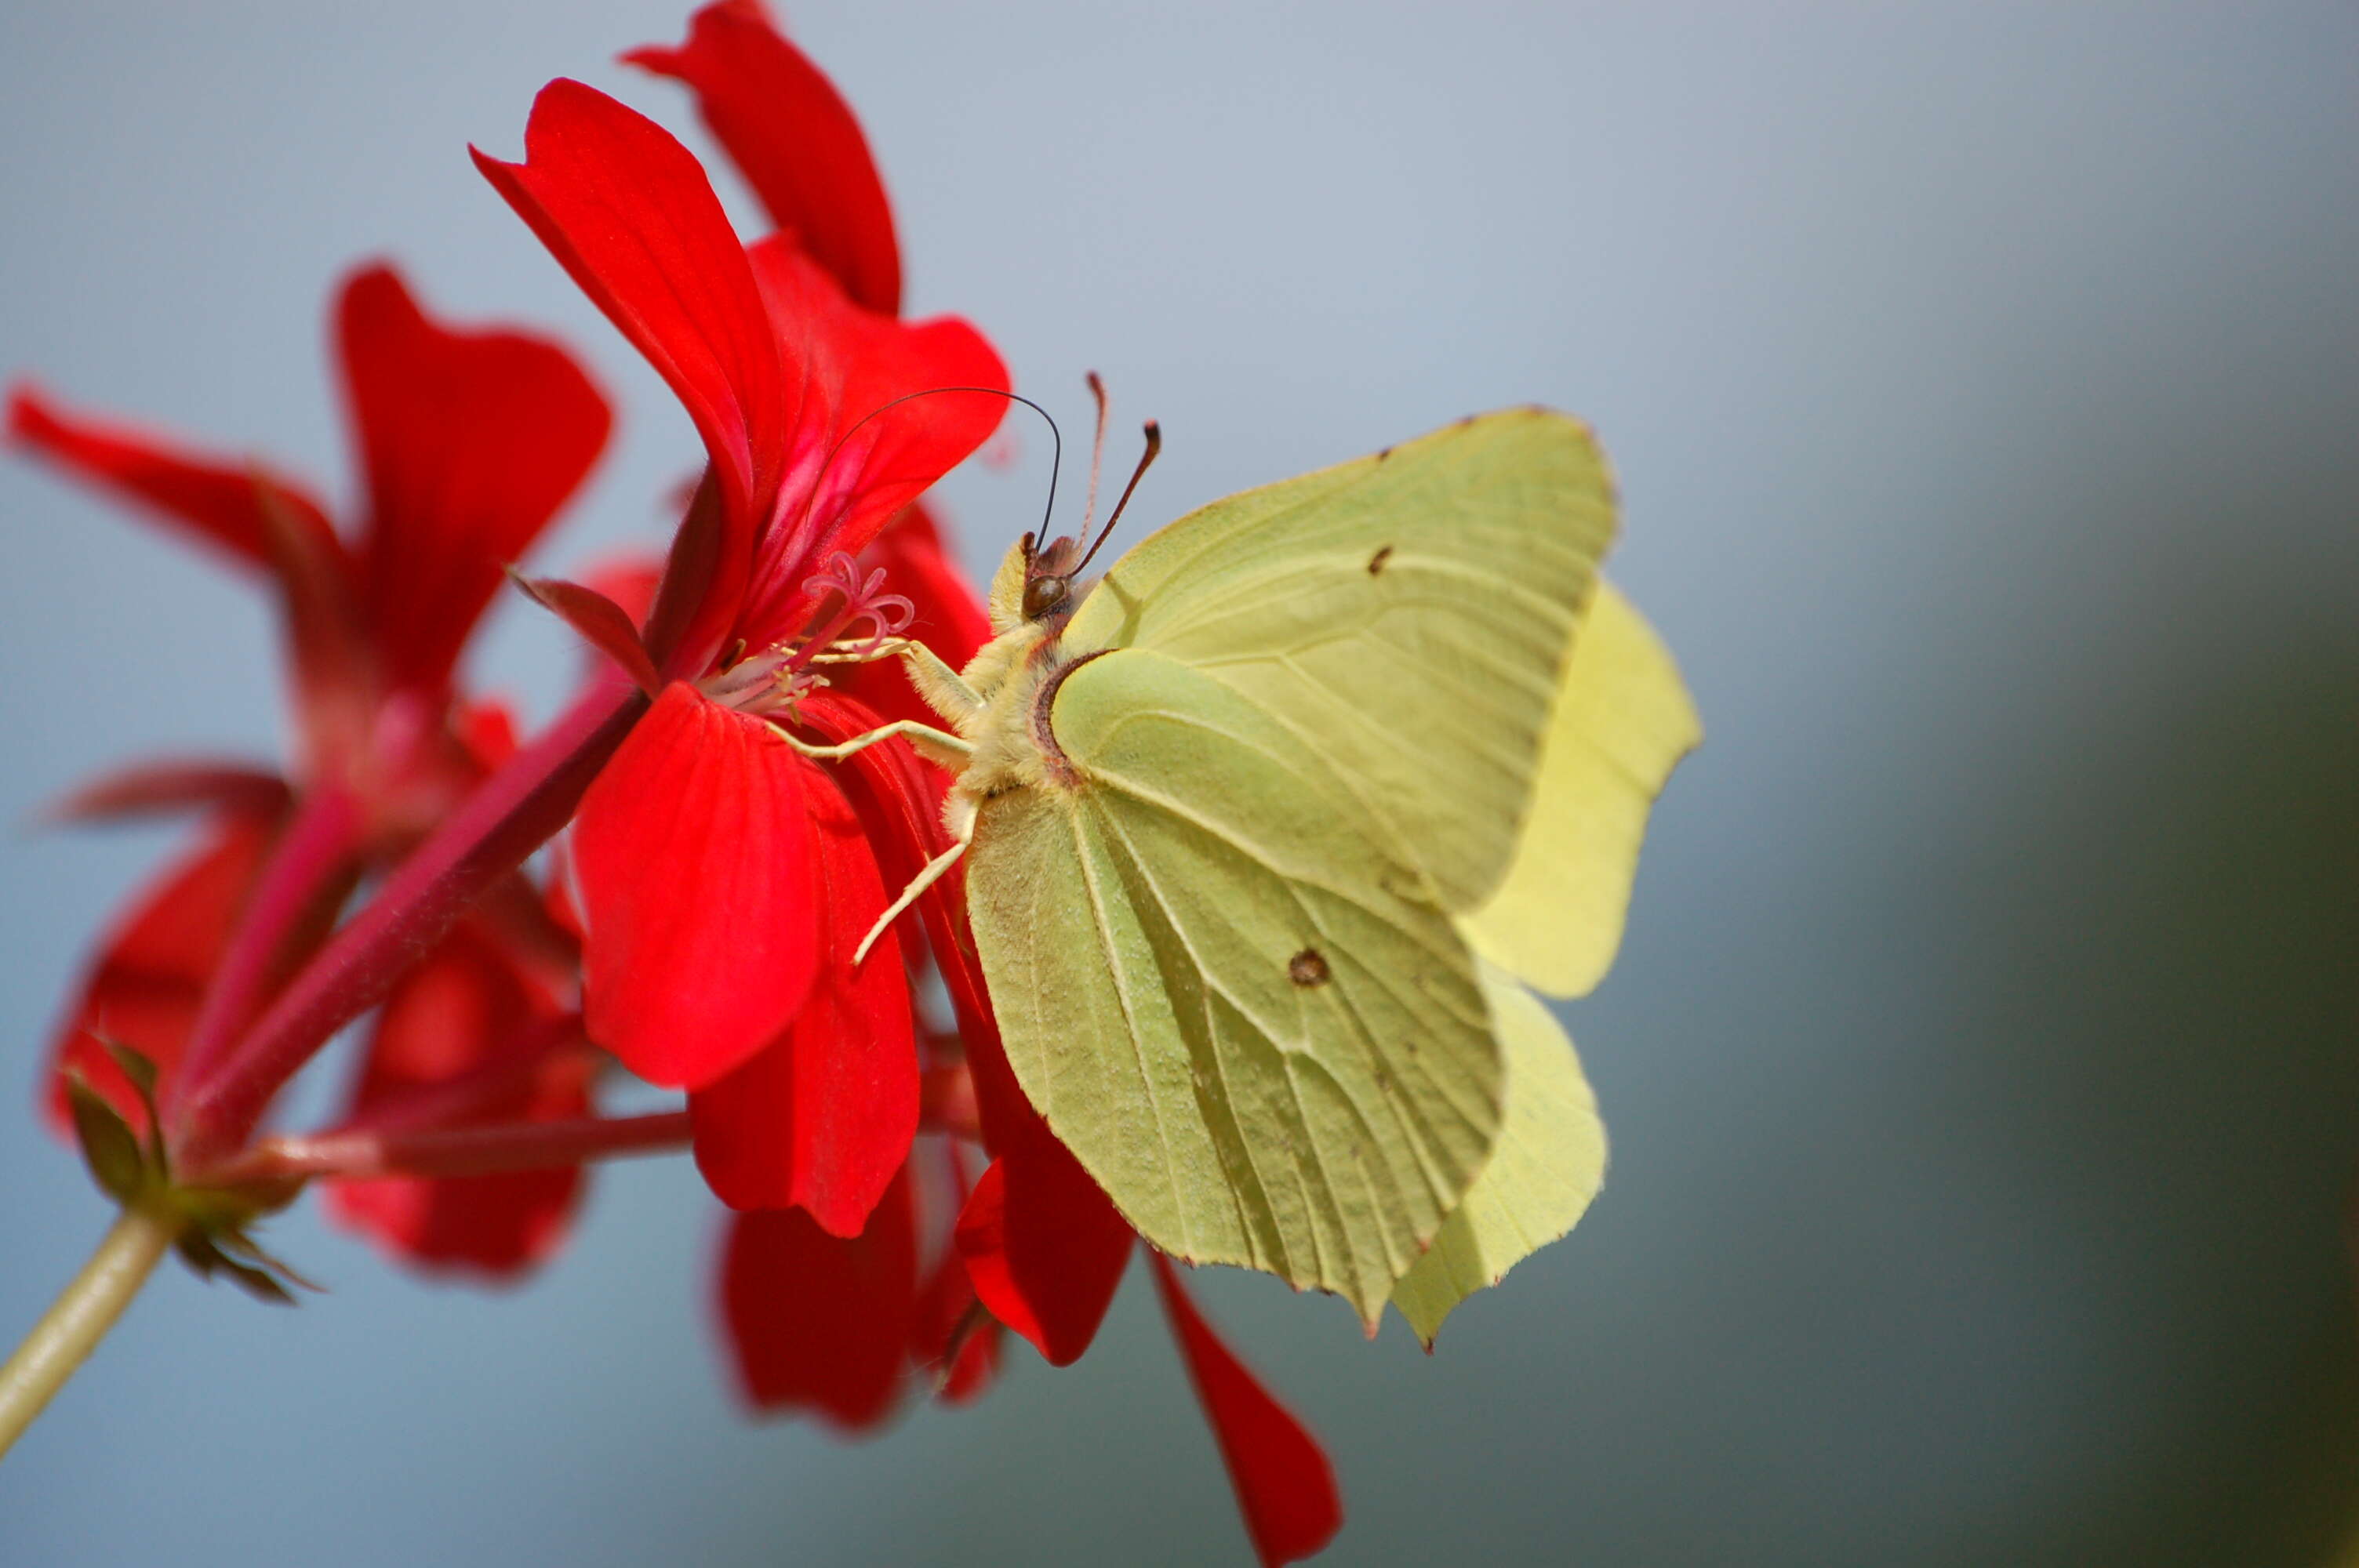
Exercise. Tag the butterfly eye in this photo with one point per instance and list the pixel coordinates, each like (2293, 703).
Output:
(1044, 595)
(1048, 578)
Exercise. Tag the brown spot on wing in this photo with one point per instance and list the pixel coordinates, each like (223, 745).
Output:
(1308, 968)
(1376, 562)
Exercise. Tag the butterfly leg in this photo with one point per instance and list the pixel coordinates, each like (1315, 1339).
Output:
(936, 746)
(925, 879)
(944, 689)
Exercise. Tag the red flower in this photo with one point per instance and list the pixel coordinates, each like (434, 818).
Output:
(791, 134)
(725, 874)
(469, 442)
(1048, 1263)
(700, 878)
(723, 883)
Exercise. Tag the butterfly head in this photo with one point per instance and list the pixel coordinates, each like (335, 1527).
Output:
(1049, 573)
(1050, 570)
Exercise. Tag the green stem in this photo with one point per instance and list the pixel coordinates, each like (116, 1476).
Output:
(81, 1315)
(366, 1152)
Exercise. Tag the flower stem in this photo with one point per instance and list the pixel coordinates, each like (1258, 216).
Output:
(509, 816)
(309, 864)
(83, 1314)
(466, 1151)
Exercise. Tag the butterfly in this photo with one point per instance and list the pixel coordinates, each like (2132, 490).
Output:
(1268, 833)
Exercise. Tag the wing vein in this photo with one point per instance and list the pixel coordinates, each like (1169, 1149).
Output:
(1130, 1023)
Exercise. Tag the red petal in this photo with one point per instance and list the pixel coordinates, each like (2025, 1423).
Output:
(1043, 1246)
(955, 1337)
(146, 789)
(600, 622)
(796, 141)
(880, 453)
(818, 1321)
(214, 498)
(154, 963)
(258, 518)
(629, 579)
(694, 607)
(1284, 1484)
(339, 700)
(899, 796)
(452, 1015)
(486, 731)
(822, 1119)
(628, 212)
(976, 1365)
(693, 855)
(471, 442)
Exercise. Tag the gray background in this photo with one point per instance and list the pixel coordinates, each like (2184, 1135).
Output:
(1984, 383)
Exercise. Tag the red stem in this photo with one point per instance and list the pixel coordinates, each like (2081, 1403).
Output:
(313, 853)
(466, 1151)
(512, 814)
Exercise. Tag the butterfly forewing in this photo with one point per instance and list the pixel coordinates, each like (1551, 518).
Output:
(1406, 615)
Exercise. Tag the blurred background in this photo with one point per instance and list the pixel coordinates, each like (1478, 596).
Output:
(1985, 384)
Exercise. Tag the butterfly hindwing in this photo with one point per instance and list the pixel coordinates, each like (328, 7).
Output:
(1547, 1163)
(1230, 989)
(1622, 720)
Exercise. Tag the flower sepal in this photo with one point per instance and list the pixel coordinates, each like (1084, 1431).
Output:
(134, 1168)
(227, 1248)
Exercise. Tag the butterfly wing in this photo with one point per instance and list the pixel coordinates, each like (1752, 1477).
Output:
(1548, 1162)
(1622, 720)
(1229, 989)
(1406, 615)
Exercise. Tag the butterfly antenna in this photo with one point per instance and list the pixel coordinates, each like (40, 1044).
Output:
(1153, 446)
(1056, 437)
(1097, 452)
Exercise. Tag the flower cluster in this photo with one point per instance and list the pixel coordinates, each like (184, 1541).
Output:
(665, 880)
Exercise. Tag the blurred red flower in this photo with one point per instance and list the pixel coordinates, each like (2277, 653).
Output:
(720, 879)
(470, 443)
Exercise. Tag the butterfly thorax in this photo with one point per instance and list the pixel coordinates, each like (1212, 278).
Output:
(1030, 600)
(1016, 675)
(1000, 702)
